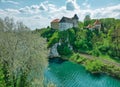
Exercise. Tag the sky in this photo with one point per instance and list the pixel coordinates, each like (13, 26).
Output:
(39, 13)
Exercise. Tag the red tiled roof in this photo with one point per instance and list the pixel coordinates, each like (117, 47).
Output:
(97, 22)
(55, 21)
(89, 26)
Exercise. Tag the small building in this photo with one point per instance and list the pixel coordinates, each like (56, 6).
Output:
(90, 27)
(97, 24)
(55, 24)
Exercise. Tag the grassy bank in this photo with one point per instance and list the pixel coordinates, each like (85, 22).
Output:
(96, 64)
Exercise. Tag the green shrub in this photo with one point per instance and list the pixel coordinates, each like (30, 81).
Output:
(2, 81)
(54, 39)
(96, 52)
(104, 49)
(75, 56)
(94, 66)
(47, 33)
(63, 49)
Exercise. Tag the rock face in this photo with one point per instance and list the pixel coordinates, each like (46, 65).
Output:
(53, 51)
(71, 48)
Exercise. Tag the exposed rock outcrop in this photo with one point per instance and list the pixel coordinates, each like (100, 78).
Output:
(53, 51)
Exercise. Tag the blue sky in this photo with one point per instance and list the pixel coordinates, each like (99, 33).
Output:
(39, 13)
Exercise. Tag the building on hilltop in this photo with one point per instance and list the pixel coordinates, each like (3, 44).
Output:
(95, 26)
(90, 27)
(55, 24)
(65, 23)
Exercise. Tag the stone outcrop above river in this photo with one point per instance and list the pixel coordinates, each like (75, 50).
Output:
(53, 51)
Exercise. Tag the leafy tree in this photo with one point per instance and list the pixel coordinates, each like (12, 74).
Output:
(87, 20)
(63, 49)
(2, 81)
(94, 66)
(46, 32)
(115, 46)
(22, 54)
(54, 39)
(71, 36)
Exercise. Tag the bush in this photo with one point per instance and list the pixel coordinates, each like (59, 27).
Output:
(104, 49)
(94, 66)
(63, 49)
(2, 81)
(75, 56)
(96, 52)
(54, 39)
(47, 32)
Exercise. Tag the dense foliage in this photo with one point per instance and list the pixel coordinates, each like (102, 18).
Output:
(95, 42)
(94, 66)
(23, 56)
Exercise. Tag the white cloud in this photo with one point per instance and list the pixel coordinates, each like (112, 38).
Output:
(42, 7)
(12, 11)
(2, 12)
(86, 5)
(34, 21)
(9, 1)
(112, 11)
(12, 2)
(71, 5)
(25, 10)
(34, 7)
(41, 15)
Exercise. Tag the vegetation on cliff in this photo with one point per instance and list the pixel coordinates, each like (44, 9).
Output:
(105, 42)
(94, 42)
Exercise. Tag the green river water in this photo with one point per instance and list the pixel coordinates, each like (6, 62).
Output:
(68, 74)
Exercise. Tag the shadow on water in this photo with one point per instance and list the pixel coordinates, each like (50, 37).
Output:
(96, 75)
(57, 60)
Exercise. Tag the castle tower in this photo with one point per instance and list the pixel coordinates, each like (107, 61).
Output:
(75, 21)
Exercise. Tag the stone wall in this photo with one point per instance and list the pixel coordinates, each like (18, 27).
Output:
(65, 26)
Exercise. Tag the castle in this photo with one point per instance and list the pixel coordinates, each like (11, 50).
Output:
(65, 23)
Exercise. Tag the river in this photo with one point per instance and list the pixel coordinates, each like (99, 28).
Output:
(69, 74)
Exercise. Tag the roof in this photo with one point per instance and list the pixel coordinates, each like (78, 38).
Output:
(55, 21)
(97, 22)
(65, 19)
(89, 26)
(75, 16)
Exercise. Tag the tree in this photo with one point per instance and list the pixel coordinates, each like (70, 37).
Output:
(2, 81)
(87, 20)
(116, 41)
(94, 66)
(23, 55)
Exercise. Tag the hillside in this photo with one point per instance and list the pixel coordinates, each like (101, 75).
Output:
(78, 44)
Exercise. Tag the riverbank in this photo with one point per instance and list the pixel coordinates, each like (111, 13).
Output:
(96, 64)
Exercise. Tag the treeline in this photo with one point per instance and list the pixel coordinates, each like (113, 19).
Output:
(94, 42)
(23, 55)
